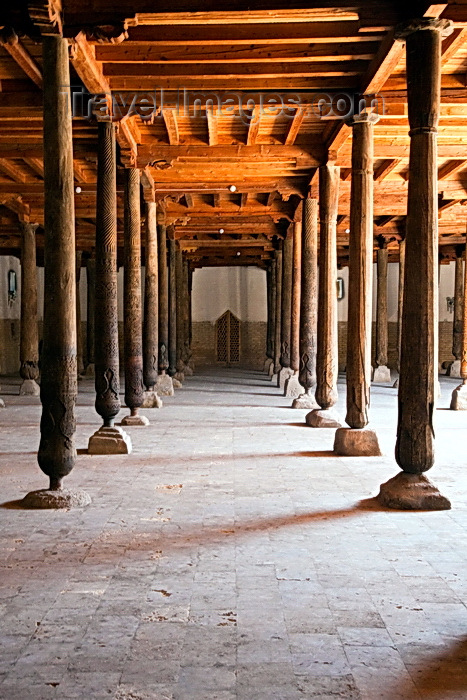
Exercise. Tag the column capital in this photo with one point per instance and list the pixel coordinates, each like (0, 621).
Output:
(403, 30)
(364, 118)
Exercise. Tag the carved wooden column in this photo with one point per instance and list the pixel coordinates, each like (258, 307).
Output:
(179, 314)
(90, 311)
(355, 440)
(270, 291)
(109, 439)
(57, 453)
(278, 304)
(151, 311)
(79, 334)
(164, 382)
(308, 304)
(459, 395)
(172, 370)
(29, 341)
(286, 310)
(381, 372)
(457, 326)
(400, 301)
(419, 364)
(188, 370)
(132, 326)
(292, 386)
(327, 358)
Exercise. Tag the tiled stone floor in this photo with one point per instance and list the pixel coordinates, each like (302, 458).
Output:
(231, 556)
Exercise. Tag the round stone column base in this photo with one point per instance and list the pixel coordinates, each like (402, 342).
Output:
(29, 387)
(151, 400)
(355, 442)
(292, 387)
(109, 441)
(283, 375)
(459, 398)
(188, 371)
(455, 369)
(412, 492)
(62, 498)
(267, 364)
(2, 403)
(324, 418)
(135, 420)
(305, 401)
(164, 386)
(89, 371)
(381, 375)
(178, 377)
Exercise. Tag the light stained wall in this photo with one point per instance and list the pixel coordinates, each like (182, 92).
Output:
(242, 290)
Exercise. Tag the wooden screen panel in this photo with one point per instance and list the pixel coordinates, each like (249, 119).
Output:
(228, 338)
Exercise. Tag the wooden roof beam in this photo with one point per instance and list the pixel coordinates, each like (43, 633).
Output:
(253, 127)
(35, 164)
(128, 137)
(212, 126)
(385, 168)
(83, 58)
(11, 43)
(171, 125)
(450, 167)
(16, 205)
(12, 170)
(294, 127)
(147, 184)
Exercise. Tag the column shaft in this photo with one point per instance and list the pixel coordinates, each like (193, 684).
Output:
(270, 306)
(295, 305)
(179, 312)
(172, 309)
(79, 334)
(57, 452)
(29, 341)
(163, 299)
(381, 355)
(309, 296)
(400, 299)
(151, 301)
(278, 304)
(458, 305)
(286, 304)
(90, 306)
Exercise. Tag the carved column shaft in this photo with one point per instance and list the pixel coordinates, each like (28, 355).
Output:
(278, 303)
(179, 313)
(172, 309)
(132, 293)
(29, 342)
(163, 299)
(106, 354)
(309, 296)
(91, 302)
(286, 306)
(57, 452)
(79, 334)
(458, 305)
(186, 311)
(381, 354)
(151, 301)
(296, 289)
(400, 298)
(270, 307)
(327, 340)
(360, 273)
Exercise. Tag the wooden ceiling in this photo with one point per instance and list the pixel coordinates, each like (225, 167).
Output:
(229, 184)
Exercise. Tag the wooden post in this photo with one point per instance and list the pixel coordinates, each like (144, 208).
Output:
(381, 371)
(459, 395)
(29, 340)
(179, 313)
(286, 310)
(163, 299)
(270, 291)
(308, 304)
(292, 386)
(278, 305)
(172, 309)
(186, 316)
(151, 303)
(457, 326)
(419, 364)
(400, 299)
(79, 334)
(59, 386)
(109, 439)
(355, 441)
(327, 347)
(134, 388)
(90, 306)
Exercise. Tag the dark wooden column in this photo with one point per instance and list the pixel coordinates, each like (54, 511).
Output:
(57, 453)
(292, 386)
(400, 301)
(90, 306)
(327, 347)
(457, 326)
(172, 308)
(270, 284)
(459, 395)
(356, 441)
(278, 305)
(164, 382)
(381, 372)
(109, 439)
(132, 326)
(79, 334)
(419, 365)
(308, 304)
(286, 310)
(151, 311)
(186, 316)
(179, 313)
(29, 340)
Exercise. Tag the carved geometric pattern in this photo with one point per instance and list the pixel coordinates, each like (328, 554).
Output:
(228, 338)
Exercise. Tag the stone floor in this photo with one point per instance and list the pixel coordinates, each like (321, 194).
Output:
(231, 556)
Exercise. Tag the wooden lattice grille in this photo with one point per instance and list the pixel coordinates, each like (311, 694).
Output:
(228, 338)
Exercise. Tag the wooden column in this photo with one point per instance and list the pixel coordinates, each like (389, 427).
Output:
(179, 313)
(419, 364)
(79, 334)
(278, 306)
(151, 301)
(270, 284)
(286, 309)
(292, 386)
(327, 347)
(29, 340)
(186, 316)
(172, 309)
(360, 293)
(459, 395)
(400, 299)
(457, 328)
(134, 388)
(90, 306)
(57, 453)
(381, 371)
(163, 299)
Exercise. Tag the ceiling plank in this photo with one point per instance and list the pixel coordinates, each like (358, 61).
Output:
(294, 127)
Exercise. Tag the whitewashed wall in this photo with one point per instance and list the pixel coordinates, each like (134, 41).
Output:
(242, 290)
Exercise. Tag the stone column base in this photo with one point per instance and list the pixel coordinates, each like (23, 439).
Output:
(135, 420)
(324, 418)
(292, 387)
(412, 492)
(151, 400)
(455, 369)
(164, 386)
(271, 372)
(459, 398)
(29, 387)
(89, 372)
(63, 498)
(353, 442)
(179, 377)
(305, 401)
(188, 371)
(396, 384)
(2, 403)
(176, 383)
(381, 375)
(109, 441)
(267, 364)
(283, 374)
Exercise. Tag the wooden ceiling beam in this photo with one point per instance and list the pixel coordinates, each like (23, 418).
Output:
(294, 127)
(213, 137)
(12, 170)
(171, 125)
(450, 167)
(12, 44)
(36, 164)
(83, 59)
(385, 168)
